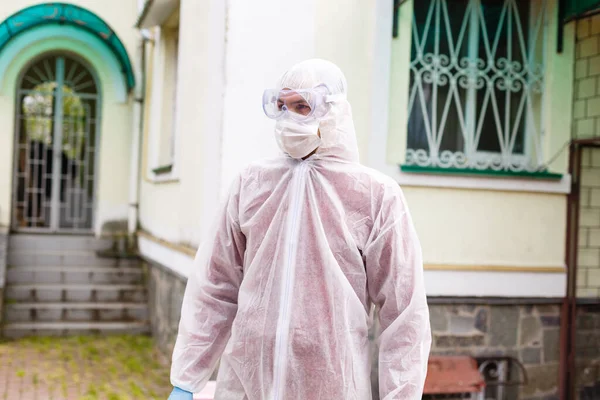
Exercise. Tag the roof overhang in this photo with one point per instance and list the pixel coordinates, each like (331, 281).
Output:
(574, 9)
(156, 12)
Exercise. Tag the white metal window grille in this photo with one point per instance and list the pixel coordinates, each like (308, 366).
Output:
(477, 84)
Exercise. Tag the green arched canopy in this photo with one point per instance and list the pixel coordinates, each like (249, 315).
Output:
(67, 14)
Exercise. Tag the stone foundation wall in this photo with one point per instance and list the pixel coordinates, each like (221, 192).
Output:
(529, 333)
(165, 295)
(587, 351)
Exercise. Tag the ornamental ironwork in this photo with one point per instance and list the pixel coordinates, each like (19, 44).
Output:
(476, 97)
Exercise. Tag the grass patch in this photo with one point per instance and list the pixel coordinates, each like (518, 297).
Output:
(66, 357)
(135, 389)
(134, 365)
(113, 370)
(114, 367)
(92, 390)
(91, 352)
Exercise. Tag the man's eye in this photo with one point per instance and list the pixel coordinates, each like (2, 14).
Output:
(302, 109)
(279, 105)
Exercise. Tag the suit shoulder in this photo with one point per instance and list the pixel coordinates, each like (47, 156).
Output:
(377, 178)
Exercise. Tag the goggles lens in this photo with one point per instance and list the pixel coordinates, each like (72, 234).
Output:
(297, 104)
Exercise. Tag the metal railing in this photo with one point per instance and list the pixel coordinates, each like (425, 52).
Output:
(503, 377)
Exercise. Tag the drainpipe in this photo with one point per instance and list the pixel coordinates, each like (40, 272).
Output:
(569, 308)
(137, 129)
(567, 318)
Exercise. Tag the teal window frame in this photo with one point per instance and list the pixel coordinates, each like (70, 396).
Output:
(544, 175)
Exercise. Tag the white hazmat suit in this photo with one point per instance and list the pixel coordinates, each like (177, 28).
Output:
(283, 289)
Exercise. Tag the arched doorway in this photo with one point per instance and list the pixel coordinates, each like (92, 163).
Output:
(56, 124)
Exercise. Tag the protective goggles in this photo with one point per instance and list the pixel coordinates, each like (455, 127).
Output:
(299, 104)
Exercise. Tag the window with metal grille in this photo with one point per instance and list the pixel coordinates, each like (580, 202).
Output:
(166, 149)
(163, 99)
(476, 98)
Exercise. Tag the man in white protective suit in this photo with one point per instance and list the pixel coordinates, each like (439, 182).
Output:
(305, 244)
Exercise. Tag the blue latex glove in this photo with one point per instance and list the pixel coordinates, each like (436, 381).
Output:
(180, 394)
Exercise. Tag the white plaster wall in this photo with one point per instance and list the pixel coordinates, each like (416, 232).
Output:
(264, 38)
(494, 284)
(112, 194)
(180, 210)
(222, 128)
(489, 228)
(6, 158)
(346, 32)
(267, 37)
(496, 227)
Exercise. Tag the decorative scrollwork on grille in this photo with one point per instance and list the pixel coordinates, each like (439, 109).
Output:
(477, 85)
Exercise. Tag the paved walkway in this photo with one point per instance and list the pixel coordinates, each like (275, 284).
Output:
(83, 368)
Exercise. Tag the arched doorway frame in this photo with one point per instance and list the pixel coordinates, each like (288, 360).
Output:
(46, 198)
(115, 75)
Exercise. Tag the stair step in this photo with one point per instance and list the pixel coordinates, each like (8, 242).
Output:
(58, 242)
(75, 312)
(54, 292)
(58, 286)
(21, 329)
(22, 257)
(75, 306)
(74, 268)
(73, 274)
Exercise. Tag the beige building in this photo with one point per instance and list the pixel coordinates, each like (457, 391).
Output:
(474, 107)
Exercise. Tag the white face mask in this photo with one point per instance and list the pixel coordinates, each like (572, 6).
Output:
(298, 139)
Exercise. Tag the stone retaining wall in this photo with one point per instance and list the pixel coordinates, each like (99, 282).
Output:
(587, 351)
(165, 295)
(529, 333)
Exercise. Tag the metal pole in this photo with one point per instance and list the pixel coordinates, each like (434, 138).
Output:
(57, 145)
(565, 319)
(136, 135)
(569, 306)
(573, 290)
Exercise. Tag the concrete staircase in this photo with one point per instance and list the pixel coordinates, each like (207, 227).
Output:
(58, 285)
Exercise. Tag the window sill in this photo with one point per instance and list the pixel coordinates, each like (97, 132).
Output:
(162, 174)
(415, 169)
(477, 182)
(163, 170)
